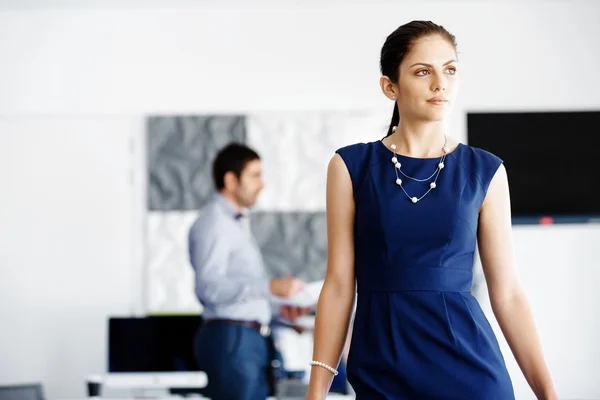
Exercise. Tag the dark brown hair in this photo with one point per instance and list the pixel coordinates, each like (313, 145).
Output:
(396, 47)
(234, 157)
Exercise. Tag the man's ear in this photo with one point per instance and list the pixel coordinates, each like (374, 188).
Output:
(230, 180)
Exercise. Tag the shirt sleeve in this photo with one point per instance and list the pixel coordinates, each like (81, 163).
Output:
(209, 255)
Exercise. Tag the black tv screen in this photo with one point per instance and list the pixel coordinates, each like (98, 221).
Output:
(551, 158)
(152, 344)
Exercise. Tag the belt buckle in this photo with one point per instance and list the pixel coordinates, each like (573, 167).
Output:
(265, 330)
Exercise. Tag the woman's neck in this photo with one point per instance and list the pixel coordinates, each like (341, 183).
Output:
(419, 140)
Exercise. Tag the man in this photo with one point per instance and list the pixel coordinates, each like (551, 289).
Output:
(233, 346)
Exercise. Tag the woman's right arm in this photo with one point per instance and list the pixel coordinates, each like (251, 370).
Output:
(336, 300)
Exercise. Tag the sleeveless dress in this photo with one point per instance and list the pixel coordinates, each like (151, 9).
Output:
(418, 332)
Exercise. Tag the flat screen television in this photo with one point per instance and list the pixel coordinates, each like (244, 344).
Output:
(552, 160)
(152, 344)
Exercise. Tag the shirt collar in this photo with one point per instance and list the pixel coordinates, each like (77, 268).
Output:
(229, 207)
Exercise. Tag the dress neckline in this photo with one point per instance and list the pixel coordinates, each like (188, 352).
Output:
(385, 148)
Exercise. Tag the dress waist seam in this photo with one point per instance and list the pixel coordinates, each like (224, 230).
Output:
(412, 290)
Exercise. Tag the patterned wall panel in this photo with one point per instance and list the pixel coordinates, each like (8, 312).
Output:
(292, 243)
(180, 154)
(295, 149)
(170, 277)
(289, 220)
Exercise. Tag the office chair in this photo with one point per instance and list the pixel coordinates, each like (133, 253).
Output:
(22, 392)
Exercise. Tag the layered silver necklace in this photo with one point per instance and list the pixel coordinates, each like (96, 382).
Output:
(435, 175)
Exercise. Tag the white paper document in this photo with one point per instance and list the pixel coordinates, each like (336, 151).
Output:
(306, 298)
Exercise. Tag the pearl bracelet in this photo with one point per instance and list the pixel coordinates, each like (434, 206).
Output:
(327, 367)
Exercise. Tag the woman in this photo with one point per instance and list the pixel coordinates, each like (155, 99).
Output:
(403, 218)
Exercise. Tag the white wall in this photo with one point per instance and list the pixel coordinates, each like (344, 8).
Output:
(65, 251)
(76, 83)
(558, 266)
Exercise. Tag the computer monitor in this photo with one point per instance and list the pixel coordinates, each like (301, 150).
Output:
(550, 158)
(152, 344)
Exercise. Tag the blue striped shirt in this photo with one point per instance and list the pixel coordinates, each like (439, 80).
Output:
(231, 280)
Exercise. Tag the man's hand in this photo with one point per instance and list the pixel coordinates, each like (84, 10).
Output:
(291, 313)
(286, 287)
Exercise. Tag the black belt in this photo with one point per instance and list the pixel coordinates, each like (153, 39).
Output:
(263, 329)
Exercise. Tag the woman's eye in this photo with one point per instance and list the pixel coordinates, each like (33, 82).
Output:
(423, 72)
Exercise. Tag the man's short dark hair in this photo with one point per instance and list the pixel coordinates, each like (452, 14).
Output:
(234, 158)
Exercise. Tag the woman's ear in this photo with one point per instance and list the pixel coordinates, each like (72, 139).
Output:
(388, 88)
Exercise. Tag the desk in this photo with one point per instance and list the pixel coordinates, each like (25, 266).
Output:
(158, 381)
(153, 380)
(331, 396)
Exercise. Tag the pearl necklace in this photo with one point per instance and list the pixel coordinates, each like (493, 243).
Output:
(435, 174)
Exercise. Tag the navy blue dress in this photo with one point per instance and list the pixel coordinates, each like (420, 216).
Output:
(418, 331)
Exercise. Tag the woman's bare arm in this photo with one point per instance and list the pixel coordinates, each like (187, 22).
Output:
(337, 296)
(509, 303)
